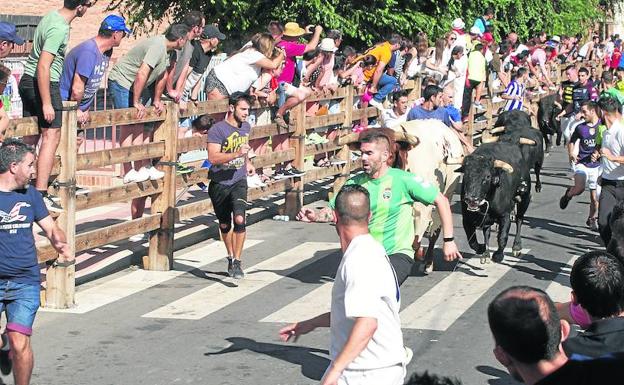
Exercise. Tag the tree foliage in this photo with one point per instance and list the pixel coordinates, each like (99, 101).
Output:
(366, 21)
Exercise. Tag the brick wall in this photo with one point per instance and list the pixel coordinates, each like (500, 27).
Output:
(81, 28)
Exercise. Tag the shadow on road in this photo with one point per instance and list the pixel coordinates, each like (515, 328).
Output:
(503, 378)
(312, 366)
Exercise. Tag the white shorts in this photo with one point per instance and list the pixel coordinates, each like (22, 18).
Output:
(392, 375)
(591, 174)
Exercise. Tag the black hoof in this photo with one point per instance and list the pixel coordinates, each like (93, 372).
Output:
(498, 257)
(485, 257)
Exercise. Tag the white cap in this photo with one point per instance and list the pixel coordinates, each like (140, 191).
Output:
(458, 23)
(327, 45)
(475, 30)
(556, 38)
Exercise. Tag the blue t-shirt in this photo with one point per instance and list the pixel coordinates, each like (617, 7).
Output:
(86, 60)
(231, 139)
(453, 113)
(419, 113)
(587, 135)
(18, 257)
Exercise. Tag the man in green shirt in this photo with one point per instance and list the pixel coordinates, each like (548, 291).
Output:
(608, 85)
(39, 86)
(392, 195)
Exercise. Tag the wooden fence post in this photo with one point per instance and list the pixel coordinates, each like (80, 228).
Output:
(294, 196)
(160, 255)
(60, 280)
(344, 153)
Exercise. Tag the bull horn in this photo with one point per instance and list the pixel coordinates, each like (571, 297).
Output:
(489, 139)
(349, 139)
(497, 130)
(527, 141)
(503, 165)
(454, 161)
(406, 137)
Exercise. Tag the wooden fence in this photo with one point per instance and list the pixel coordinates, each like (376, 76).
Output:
(60, 280)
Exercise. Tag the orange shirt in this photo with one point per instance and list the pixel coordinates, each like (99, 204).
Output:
(381, 52)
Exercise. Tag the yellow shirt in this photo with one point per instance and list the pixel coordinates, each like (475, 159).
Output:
(381, 52)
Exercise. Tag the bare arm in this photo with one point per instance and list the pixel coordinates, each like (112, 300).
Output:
(4, 123)
(137, 88)
(322, 216)
(451, 251)
(304, 327)
(311, 46)
(271, 64)
(43, 82)
(215, 156)
(56, 237)
(77, 93)
(182, 79)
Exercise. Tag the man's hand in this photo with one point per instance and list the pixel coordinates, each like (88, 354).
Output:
(243, 150)
(606, 153)
(65, 253)
(183, 106)
(83, 116)
(140, 110)
(175, 95)
(307, 215)
(372, 90)
(331, 377)
(573, 158)
(48, 113)
(451, 252)
(159, 106)
(595, 156)
(295, 330)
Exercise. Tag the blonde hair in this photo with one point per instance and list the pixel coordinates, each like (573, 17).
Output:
(263, 43)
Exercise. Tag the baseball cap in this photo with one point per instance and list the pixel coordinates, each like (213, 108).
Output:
(115, 23)
(211, 31)
(475, 31)
(8, 32)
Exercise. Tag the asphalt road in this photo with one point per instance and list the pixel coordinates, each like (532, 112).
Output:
(196, 326)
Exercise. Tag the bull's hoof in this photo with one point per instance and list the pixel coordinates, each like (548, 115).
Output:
(485, 257)
(516, 252)
(538, 187)
(498, 256)
(428, 268)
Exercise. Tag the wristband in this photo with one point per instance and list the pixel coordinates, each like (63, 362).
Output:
(193, 100)
(449, 239)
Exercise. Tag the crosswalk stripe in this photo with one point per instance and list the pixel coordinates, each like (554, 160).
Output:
(216, 296)
(136, 281)
(312, 304)
(559, 289)
(443, 304)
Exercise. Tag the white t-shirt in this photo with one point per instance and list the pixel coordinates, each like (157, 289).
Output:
(613, 140)
(391, 119)
(239, 72)
(584, 51)
(366, 286)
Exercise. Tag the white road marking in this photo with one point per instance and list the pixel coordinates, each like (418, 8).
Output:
(559, 289)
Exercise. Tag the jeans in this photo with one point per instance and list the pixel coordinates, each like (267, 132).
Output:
(385, 86)
(21, 301)
(281, 94)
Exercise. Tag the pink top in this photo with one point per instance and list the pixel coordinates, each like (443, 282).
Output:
(327, 71)
(580, 316)
(293, 49)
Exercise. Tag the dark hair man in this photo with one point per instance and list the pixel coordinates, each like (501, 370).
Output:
(393, 192)
(20, 206)
(39, 86)
(366, 339)
(398, 113)
(528, 334)
(430, 108)
(228, 145)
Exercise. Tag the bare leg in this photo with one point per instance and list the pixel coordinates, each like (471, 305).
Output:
(50, 139)
(22, 357)
(227, 240)
(593, 205)
(131, 135)
(238, 237)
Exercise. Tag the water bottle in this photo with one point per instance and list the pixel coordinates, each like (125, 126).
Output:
(283, 218)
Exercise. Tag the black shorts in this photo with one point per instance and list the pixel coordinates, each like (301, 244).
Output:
(32, 105)
(228, 200)
(402, 265)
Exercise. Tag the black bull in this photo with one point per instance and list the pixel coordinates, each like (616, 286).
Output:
(491, 187)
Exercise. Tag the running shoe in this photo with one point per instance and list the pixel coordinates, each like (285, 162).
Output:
(237, 270)
(51, 203)
(563, 202)
(230, 268)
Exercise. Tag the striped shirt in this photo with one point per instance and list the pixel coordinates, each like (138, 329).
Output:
(514, 89)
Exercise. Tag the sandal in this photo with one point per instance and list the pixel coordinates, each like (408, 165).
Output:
(281, 123)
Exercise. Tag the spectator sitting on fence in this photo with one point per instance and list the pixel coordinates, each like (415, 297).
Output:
(86, 65)
(396, 67)
(238, 72)
(39, 87)
(476, 78)
(537, 65)
(436, 66)
(431, 108)
(179, 59)
(203, 52)
(528, 335)
(597, 305)
(396, 115)
(336, 36)
(8, 39)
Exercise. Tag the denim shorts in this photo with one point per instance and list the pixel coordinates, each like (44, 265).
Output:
(20, 301)
(122, 97)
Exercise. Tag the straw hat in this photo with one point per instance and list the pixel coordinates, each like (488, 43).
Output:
(293, 29)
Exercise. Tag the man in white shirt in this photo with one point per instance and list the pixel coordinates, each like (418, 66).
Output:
(612, 162)
(366, 338)
(396, 115)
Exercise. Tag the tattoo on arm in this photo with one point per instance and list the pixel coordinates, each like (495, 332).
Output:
(325, 215)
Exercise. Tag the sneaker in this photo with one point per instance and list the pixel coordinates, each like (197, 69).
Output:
(334, 160)
(203, 186)
(134, 176)
(563, 202)
(51, 203)
(479, 106)
(254, 181)
(138, 238)
(237, 270)
(377, 104)
(154, 173)
(315, 138)
(592, 223)
(230, 269)
(182, 169)
(281, 123)
(82, 190)
(409, 354)
(294, 172)
(5, 359)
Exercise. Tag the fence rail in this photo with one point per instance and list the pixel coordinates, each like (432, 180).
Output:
(166, 146)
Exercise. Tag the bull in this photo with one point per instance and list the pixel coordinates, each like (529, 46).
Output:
(515, 127)
(547, 112)
(616, 222)
(490, 189)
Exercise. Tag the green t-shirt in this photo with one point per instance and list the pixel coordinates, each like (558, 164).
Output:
(601, 129)
(392, 197)
(615, 94)
(151, 51)
(51, 35)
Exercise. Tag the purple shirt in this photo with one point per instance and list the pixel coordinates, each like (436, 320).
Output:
(587, 135)
(231, 139)
(87, 61)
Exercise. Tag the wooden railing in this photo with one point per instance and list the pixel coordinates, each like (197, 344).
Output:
(60, 280)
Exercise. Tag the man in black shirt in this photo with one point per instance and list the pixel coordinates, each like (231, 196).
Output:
(528, 334)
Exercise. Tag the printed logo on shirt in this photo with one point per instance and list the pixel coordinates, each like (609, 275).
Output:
(234, 142)
(387, 194)
(14, 216)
